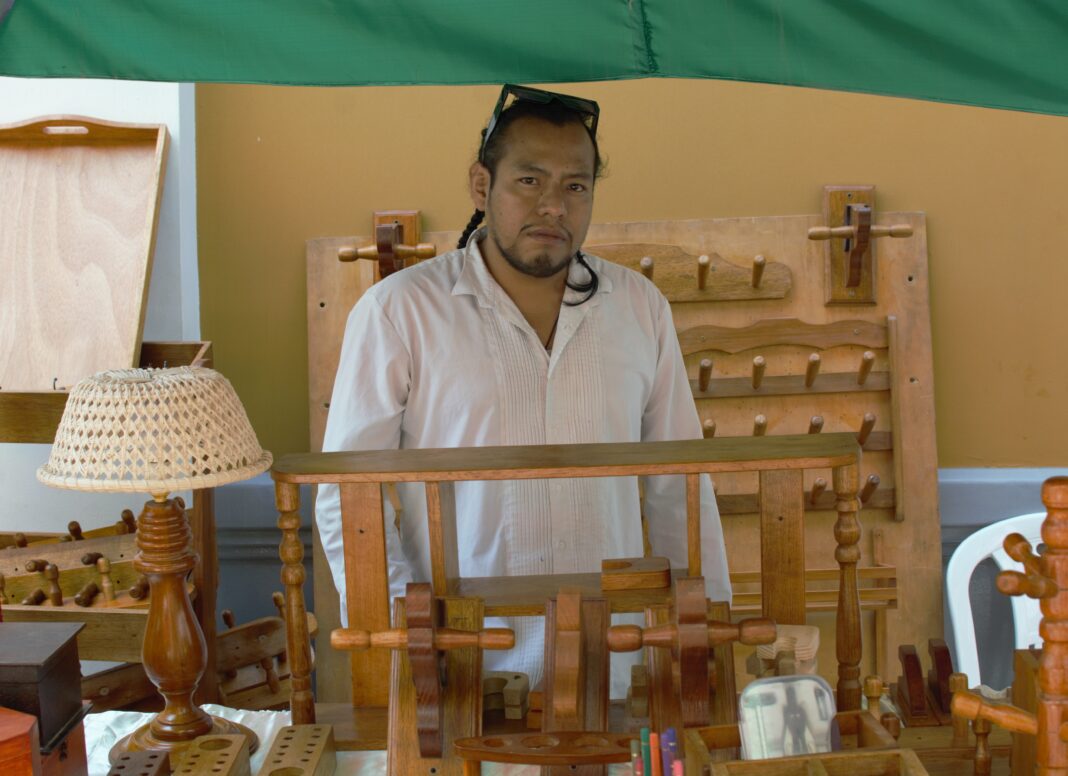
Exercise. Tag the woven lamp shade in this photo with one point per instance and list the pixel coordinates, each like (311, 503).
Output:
(153, 430)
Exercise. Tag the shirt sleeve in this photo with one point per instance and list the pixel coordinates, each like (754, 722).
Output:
(366, 410)
(670, 414)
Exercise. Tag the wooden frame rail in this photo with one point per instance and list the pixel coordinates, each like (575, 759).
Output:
(360, 475)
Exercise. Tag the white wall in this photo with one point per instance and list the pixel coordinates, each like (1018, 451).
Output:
(173, 310)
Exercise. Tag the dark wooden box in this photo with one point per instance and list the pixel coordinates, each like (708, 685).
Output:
(40, 674)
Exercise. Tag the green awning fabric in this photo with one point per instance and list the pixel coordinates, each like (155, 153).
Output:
(979, 52)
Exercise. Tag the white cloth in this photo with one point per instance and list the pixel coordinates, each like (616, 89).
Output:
(438, 355)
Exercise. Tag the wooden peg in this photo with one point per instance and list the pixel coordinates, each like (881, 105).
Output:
(892, 723)
(228, 619)
(760, 425)
(20, 539)
(818, 487)
(759, 364)
(709, 428)
(815, 425)
(812, 369)
(751, 632)
(90, 558)
(758, 270)
(869, 488)
(55, 594)
(1030, 585)
(35, 598)
(970, 706)
(646, 266)
(74, 528)
(140, 589)
(36, 565)
(703, 263)
(865, 427)
(704, 375)
(959, 683)
(107, 587)
(983, 759)
(828, 233)
(86, 595)
(129, 521)
(873, 691)
(867, 361)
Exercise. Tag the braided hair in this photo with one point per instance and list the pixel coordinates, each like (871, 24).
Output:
(555, 113)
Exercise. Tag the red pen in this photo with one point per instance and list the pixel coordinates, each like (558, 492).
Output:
(636, 758)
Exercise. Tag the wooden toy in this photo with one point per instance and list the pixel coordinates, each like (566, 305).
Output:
(301, 750)
(20, 751)
(214, 755)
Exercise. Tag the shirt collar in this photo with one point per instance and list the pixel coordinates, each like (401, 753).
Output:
(475, 278)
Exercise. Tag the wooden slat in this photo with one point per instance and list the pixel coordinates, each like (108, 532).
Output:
(782, 546)
(441, 521)
(693, 523)
(790, 385)
(692, 456)
(749, 503)
(782, 331)
(109, 634)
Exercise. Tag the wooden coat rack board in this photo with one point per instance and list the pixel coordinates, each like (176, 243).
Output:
(776, 342)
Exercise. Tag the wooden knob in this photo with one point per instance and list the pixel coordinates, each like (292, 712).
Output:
(703, 263)
(228, 619)
(866, 363)
(1019, 549)
(815, 424)
(35, 598)
(1030, 585)
(20, 539)
(760, 425)
(55, 595)
(86, 595)
(756, 630)
(36, 565)
(812, 369)
(759, 364)
(140, 589)
(624, 638)
(865, 428)
(75, 530)
(129, 520)
(818, 487)
(758, 270)
(704, 375)
(709, 428)
(646, 266)
(90, 558)
(869, 488)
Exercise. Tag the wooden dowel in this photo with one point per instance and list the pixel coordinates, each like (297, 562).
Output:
(866, 363)
(86, 595)
(818, 487)
(751, 632)
(865, 427)
(55, 595)
(812, 369)
(704, 375)
(759, 365)
(646, 266)
(959, 683)
(703, 263)
(760, 425)
(90, 558)
(1019, 549)
(758, 270)
(815, 425)
(895, 230)
(869, 488)
(74, 528)
(1030, 585)
(444, 639)
(829, 232)
(36, 565)
(709, 428)
(35, 598)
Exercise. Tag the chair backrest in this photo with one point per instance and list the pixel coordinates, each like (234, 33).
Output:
(986, 543)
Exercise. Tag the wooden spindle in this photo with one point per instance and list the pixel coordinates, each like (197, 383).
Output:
(74, 528)
(870, 485)
(873, 692)
(704, 375)
(759, 365)
(107, 586)
(35, 598)
(760, 425)
(812, 369)
(298, 649)
(818, 487)
(983, 759)
(646, 266)
(703, 263)
(867, 361)
(758, 270)
(865, 428)
(709, 428)
(90, 558)
(959, 683)
(847, 553)
(36, 565)
(815, 424)
(55, 594)
(85, 596)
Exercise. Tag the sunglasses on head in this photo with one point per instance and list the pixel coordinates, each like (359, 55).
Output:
(587, 109)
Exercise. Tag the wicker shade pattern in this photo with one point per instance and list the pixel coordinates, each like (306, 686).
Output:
(153, 430)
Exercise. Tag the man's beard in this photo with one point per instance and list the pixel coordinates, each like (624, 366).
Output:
(541, 266)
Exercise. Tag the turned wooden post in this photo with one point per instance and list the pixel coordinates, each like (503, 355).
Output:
(847, 534)
(1051, 754)
(291, 550)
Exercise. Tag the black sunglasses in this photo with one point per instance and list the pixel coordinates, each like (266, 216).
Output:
(588, 109)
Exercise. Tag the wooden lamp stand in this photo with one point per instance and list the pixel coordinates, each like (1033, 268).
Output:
(174, 652)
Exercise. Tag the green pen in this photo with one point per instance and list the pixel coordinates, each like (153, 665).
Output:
(647, 760)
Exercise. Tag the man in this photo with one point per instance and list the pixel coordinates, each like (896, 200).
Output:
(518, 338)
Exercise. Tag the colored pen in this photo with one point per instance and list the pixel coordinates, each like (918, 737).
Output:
(636, 758)
(647, 764)
(676, 768)
(668, 747)
(654, 754)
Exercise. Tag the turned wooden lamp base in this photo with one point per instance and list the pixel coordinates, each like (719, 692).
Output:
(174, 654)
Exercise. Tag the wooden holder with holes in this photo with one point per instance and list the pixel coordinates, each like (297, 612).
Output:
(214, 755)
(301, 750)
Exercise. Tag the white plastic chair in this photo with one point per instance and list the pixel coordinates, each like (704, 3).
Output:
(986, 543)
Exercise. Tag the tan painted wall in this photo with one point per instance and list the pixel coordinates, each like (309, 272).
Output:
(278, 165)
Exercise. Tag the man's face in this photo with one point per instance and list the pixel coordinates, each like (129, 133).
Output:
(540, 201)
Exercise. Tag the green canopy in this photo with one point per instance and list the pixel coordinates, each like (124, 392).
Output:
(979, 52)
